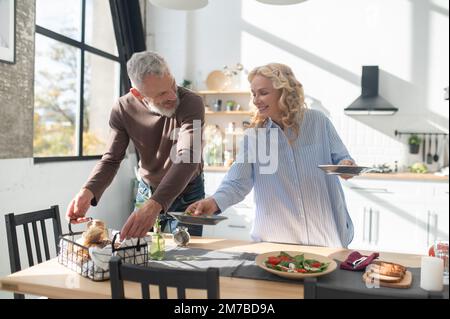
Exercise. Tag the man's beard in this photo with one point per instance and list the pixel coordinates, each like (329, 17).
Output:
(161, 110)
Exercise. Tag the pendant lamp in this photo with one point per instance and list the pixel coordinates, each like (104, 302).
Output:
(180, 4)
(281, 2)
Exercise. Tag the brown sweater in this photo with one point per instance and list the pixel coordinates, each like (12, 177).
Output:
(151, 135)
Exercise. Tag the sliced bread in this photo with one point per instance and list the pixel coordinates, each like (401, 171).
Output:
(384, 278)
(388, 269)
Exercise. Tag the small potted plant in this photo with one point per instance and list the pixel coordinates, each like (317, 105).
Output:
(414, 143)
(187, 84)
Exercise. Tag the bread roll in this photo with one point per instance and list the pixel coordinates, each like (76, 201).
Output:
(97, 223)
(95, 234)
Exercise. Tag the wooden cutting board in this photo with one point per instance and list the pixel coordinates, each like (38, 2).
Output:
(404, 283)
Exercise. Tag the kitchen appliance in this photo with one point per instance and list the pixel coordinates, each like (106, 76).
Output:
(369, 102)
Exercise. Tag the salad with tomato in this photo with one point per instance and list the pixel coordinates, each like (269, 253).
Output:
(287, 263)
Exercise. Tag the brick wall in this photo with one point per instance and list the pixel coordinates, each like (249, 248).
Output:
(16, 88)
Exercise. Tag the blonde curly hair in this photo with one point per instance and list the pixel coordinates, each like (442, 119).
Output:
(292, 99)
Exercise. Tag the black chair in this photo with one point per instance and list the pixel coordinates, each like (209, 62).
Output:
(13, 221)
(182, 279)
(314, 288)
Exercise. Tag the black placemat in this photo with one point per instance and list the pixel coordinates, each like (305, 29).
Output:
(351, 281)
(196, 258)
(230, 264)
(242, 265)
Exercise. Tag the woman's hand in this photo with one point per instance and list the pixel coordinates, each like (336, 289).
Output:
(206, 206)
(346, 162)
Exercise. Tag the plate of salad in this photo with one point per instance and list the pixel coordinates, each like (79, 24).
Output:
(295, 264)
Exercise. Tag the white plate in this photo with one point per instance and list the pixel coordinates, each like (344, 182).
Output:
(217, 81)
(344, 169)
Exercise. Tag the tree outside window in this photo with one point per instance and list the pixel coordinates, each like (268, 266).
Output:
(77, 74)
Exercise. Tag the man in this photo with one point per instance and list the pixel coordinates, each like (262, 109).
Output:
(164, 122)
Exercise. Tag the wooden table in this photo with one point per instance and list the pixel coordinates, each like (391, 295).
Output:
(53, 280)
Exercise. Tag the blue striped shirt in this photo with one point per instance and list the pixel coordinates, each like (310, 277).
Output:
(297, 203)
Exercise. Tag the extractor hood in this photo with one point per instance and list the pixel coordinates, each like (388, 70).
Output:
(369, 102)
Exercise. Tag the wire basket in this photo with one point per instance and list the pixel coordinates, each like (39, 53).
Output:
(79, 258)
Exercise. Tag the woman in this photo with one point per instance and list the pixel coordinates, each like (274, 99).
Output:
(296, 202)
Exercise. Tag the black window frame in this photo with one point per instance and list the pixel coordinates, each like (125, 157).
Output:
(83, 49)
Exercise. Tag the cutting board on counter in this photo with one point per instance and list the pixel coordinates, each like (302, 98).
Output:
(402, 284)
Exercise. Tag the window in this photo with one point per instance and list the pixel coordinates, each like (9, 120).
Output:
(77, 78)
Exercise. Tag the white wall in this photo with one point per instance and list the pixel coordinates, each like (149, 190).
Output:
(25, 187)
(326, 42)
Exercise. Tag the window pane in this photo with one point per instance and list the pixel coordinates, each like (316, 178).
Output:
(101, 90)
(61, 16)
(56, 96)
(99, 26)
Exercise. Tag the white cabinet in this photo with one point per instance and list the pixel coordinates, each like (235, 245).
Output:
(237, 226)
(435, 220)
(380, 220)
(398, 216)
(240, 216)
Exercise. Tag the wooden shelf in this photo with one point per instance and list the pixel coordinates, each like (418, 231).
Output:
(216, 168)
(207, 92)
(229, 113)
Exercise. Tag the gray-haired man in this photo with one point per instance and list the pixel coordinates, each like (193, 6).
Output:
(164, 122)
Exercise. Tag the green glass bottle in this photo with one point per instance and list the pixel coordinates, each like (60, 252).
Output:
(158, 245)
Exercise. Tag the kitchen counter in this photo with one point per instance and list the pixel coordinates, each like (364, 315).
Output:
(390, 176)
(405, 177)
(53, 280)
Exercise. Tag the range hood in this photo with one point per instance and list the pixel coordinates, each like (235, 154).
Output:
(369, 102)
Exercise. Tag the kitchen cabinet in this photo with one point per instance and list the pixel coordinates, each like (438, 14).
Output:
(240, 216)
(398, 216)
(435, 219)
(388, 215)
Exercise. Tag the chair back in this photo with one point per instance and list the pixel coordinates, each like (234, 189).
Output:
(181, 279)
(315, 289)
(13, 221)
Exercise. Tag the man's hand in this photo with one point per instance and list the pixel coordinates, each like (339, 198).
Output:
(346, 162)
(206, 206)
(79, 206)
(140, 222)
